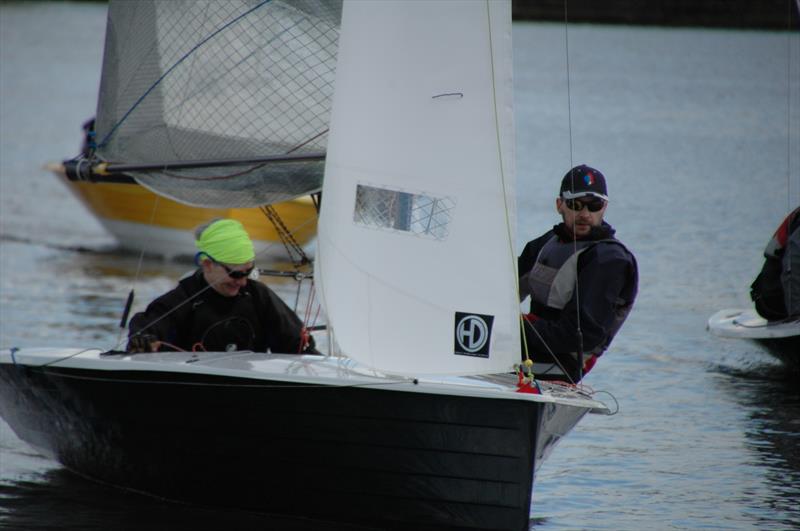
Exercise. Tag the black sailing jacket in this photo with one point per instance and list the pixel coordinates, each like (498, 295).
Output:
(607, 284)
(193, 316)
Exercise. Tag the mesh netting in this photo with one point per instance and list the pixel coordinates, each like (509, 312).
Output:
(394, 210)
(188, 80)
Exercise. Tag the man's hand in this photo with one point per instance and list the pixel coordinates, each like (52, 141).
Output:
(143, 343)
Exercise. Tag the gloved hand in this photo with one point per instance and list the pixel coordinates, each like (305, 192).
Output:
(143, 343)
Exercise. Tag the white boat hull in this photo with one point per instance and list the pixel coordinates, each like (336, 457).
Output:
(782, 338)
(736, 322)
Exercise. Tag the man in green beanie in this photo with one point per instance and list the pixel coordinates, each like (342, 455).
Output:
(219, 307)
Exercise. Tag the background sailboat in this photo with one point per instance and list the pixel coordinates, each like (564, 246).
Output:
(177, 110)
(141, 220)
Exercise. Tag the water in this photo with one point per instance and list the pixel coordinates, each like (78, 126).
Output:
(695, 130)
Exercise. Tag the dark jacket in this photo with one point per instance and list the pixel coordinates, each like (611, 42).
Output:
(776, 289)
(194, 316)
(607, 286)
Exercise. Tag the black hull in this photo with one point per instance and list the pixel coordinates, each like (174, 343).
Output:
(786, 349)
(398, 459)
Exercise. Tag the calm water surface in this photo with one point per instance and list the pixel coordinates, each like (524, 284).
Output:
(698, 132)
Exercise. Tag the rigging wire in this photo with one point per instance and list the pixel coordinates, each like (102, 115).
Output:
(123, 323)
(578, 332)
(789, 63)
(789, 205)
(528, 362)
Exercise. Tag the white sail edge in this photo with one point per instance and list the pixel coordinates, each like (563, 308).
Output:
(416, 266)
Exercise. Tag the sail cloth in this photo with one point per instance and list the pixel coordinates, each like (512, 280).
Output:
(193, 80)
(415, 260)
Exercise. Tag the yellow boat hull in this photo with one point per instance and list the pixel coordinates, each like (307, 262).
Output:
(141, 220)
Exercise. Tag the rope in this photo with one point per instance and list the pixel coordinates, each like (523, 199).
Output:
(306, 334)
(614, 398)
(287, 238)
(528, 363)
(552, 355)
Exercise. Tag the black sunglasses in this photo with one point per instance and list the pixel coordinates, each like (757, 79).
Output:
(233, 273)
(577, 205)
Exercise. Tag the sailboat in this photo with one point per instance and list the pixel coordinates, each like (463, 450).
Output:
(139, 219)
(418, 416)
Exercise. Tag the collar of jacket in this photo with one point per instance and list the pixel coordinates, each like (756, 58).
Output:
(603, 232)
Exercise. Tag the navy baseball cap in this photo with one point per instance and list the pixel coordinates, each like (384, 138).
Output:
(582, 181)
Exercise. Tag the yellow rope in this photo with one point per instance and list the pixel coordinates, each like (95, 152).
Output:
(528, 363)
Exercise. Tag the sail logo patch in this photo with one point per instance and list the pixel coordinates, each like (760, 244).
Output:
(473, 334)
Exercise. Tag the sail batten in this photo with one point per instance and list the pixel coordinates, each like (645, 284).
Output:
(188, 80)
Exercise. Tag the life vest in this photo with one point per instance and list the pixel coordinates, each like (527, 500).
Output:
(777, 244)
(552, 282)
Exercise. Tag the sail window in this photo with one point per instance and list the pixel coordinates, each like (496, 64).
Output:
(397, 211)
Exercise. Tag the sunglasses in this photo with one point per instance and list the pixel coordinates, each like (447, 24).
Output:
(234, 273)
(577, 205)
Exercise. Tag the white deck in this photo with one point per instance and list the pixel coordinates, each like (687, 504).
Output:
(296, 369)
(736, 322)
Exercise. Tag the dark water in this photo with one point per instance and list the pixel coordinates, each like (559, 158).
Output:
(698, 133)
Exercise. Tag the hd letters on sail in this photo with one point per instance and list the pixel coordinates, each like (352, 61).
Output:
(473, 334)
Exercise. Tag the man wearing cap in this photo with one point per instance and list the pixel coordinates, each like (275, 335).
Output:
(219, 308)
(582, 282)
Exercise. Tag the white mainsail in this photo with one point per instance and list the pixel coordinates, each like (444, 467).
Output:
(415, 257)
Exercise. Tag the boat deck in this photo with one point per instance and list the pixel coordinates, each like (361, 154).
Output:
(295, 369)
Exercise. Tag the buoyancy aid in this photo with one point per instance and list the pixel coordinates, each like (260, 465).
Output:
(552, 282)
(552, 279)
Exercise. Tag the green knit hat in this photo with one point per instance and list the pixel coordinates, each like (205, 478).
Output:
(226, 241)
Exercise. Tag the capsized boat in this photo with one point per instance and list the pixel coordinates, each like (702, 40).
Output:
(417, 416)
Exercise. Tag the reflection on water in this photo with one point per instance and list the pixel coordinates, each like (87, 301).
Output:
(60, 500)
(770, 395)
